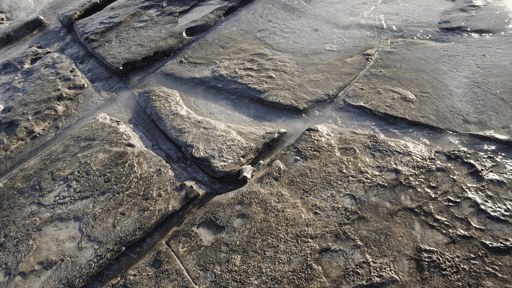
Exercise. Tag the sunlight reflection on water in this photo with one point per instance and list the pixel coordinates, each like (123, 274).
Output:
(509, 4)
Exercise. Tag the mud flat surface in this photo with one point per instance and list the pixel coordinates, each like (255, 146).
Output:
(255, 143)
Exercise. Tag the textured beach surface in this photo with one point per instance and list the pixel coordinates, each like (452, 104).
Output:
(238, 143)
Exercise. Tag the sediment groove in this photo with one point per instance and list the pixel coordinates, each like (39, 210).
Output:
(393, 119)
(137, 251)
(81, 11)
(343, 89)
(181, 265)
(21, 30)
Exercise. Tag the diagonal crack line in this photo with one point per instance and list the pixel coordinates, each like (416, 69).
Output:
(341, 91)
(181, 265)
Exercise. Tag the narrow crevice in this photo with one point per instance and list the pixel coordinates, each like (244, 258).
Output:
(69, 17)
(225, 11)
(95, 7)
(189, 8)
(142, 64)
(394, 120)
(182, 265)
(343, 89)
(466, 30)
(237, 7)
(490, 138)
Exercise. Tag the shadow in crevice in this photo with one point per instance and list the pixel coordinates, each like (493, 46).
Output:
(16, 32)
(9, 128)
(95, 7)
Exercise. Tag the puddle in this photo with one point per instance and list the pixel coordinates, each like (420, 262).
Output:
(209, 230)
(509, 4)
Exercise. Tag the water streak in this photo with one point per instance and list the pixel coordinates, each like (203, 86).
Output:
(19, 9)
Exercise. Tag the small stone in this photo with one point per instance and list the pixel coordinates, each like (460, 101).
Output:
(259, 165)
(191, 190)
(246, 173)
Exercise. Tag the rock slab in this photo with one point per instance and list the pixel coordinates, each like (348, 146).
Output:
(69, 211)
(278, 53)
(44, 95)
(452, 86)
(127, 32)
(219, 149)
(340, 208)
